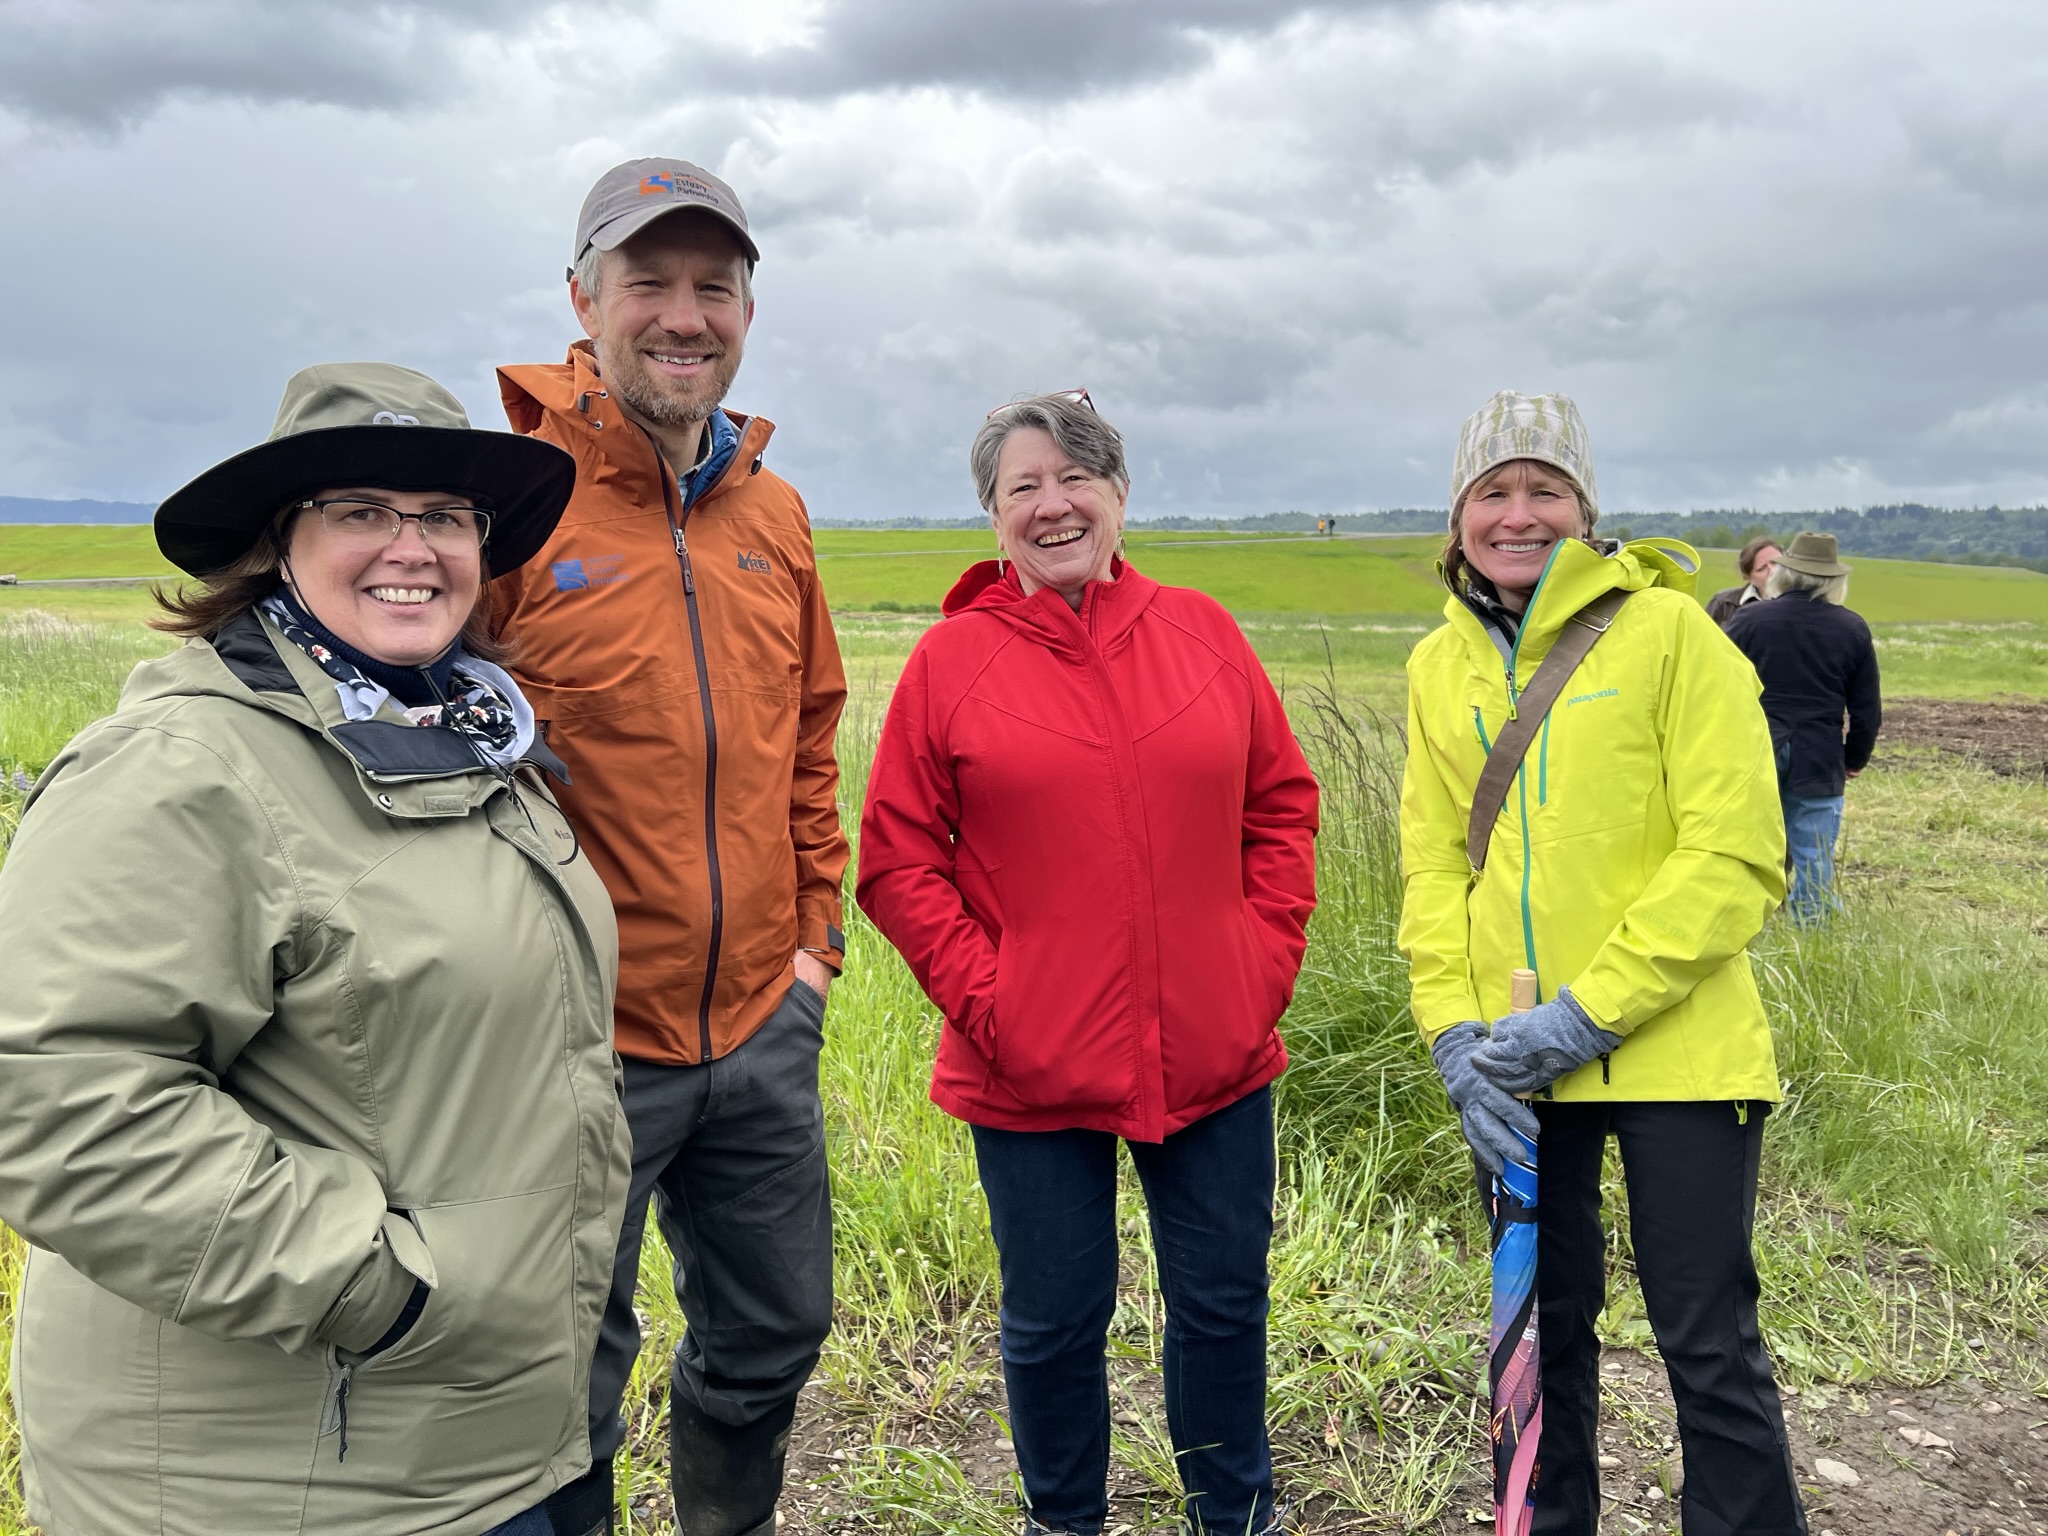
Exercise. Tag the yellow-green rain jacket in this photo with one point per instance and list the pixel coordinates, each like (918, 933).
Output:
(1642, 844)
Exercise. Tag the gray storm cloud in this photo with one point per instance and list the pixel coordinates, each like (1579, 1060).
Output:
(1784, 256)
(98, 63)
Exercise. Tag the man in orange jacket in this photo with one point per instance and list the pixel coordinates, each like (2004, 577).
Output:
(676, 647)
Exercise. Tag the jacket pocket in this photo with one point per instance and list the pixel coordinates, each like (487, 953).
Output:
(497, 1337)
(1062, 1032)
(1272, 970)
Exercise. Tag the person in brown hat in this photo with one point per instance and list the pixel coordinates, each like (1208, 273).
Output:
(675, 642)
(1821, 695)
(1753, 564)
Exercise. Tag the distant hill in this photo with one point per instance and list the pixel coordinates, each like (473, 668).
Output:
(2016, 536)
(33, 509)
(1970, 536)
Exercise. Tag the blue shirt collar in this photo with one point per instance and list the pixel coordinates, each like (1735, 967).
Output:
(725, 443)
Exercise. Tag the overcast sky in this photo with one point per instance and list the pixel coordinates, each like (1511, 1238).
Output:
(1785, 255)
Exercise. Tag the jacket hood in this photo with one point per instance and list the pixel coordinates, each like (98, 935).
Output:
(1578, 572)
(572, 393)
(407, 771)
(1108, 608)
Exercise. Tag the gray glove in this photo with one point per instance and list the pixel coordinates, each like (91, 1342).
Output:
(1485, 1112)
(1533, 1050)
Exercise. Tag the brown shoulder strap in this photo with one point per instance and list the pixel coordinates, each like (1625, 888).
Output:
(1581, 631)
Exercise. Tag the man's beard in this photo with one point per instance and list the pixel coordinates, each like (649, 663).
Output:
(661, 401)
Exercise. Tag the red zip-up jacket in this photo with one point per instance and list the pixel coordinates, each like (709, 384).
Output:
(1092, 836)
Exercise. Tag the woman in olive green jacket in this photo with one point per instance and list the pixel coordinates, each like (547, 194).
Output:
(1639, 851)
(307, 1097)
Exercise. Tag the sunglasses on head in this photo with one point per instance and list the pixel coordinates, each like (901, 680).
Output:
(1071, 396)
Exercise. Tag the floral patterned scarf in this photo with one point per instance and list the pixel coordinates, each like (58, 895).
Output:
(484, 703)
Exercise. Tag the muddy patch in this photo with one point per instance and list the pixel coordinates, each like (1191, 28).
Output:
(1966, 1458)
(2008, 736)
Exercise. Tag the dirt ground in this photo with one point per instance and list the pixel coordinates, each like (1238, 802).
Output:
(2007, 736)
(1968, 1458)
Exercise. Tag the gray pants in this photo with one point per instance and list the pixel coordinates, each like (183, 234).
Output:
(733, 1153)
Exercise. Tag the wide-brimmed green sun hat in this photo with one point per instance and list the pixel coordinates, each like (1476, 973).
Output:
(368, 425)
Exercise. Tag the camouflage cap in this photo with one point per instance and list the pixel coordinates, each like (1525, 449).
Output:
(1547, 428)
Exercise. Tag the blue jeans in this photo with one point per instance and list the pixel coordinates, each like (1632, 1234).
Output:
(534, 1522)
(1052, 1207)
(1812, 822)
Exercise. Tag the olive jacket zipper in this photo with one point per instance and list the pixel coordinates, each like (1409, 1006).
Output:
(676, 518)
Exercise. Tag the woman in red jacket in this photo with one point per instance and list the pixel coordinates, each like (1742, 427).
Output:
(1091, 834)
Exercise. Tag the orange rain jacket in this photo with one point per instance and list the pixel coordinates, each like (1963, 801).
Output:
(682, 663)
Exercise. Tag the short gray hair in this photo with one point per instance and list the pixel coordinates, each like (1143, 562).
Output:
(589, 274)
(1081, 434)
(1783, 579)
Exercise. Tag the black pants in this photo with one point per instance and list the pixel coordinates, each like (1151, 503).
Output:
(1692, 1173)
(733, 1154)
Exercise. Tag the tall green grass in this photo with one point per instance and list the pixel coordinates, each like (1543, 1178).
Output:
(1900, 1219)
(57, 677)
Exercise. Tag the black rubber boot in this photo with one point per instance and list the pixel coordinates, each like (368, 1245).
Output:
(726, 1480)
(584, 1507)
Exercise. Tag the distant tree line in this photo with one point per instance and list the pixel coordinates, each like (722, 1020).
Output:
(1970, 536)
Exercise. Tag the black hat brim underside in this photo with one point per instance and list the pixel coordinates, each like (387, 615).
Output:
(523, 482)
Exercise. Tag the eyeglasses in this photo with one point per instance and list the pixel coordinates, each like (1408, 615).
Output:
(371, 524)
(1071, 396)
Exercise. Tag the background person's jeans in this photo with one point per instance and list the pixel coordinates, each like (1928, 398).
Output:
(534, 1522)
(1812, 823)
(1052, 1207)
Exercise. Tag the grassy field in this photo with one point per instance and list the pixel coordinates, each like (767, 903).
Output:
(912, 569)
(1899, 1232)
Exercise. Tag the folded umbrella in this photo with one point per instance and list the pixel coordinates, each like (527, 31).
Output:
(1513, 1369)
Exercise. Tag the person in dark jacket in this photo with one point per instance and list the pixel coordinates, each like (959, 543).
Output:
(1755, 563)
(1819, 670)
(1091, 834)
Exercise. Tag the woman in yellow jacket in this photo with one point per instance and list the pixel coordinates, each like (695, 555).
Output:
(1639, 851)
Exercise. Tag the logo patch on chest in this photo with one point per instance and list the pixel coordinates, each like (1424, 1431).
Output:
(591, 571)
(753, 560)
(1587, 698)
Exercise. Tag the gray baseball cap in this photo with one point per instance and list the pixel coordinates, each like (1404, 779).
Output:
(629, 197)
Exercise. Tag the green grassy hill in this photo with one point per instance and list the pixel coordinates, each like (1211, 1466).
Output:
(47, 551)
(1268, 574)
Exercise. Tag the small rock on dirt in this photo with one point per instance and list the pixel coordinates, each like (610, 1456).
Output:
(1840, 1473)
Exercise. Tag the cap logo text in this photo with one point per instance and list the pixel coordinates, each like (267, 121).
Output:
(393, 419)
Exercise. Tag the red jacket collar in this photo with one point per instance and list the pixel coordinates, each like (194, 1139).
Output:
(1108, 608)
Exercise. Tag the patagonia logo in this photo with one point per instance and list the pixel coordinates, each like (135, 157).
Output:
(753, 560)
(593, 571)
(1587, 698)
